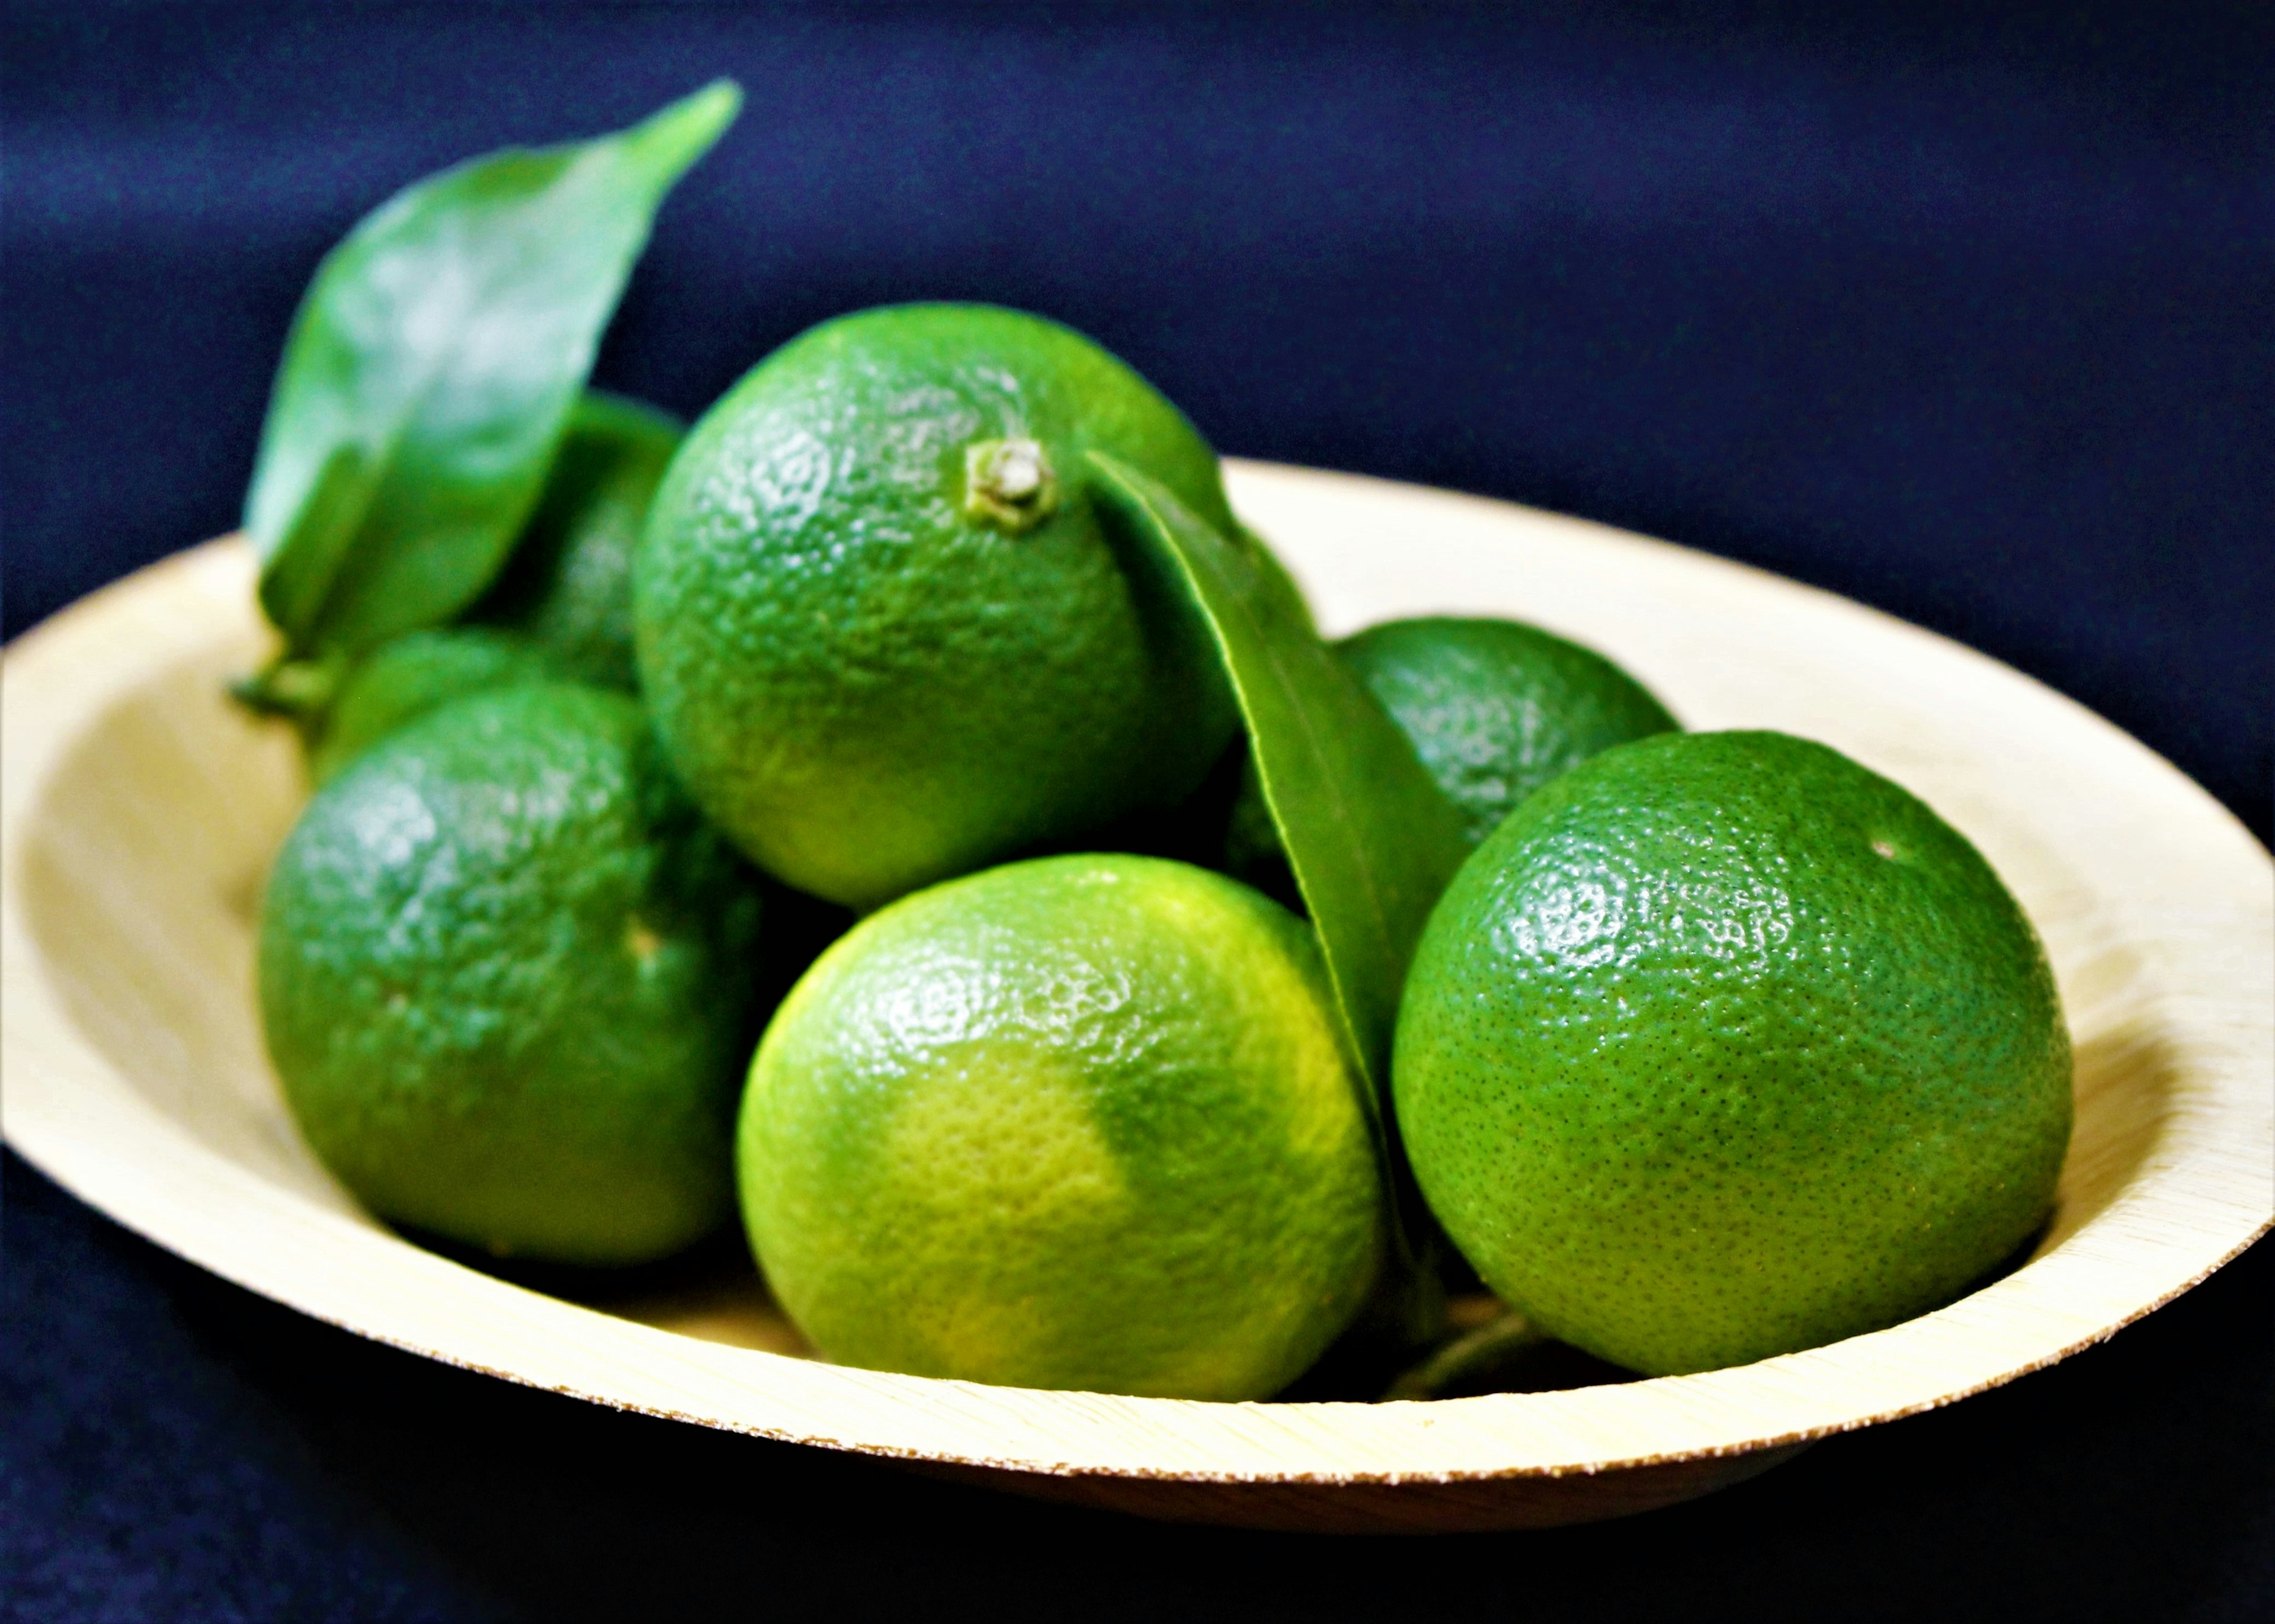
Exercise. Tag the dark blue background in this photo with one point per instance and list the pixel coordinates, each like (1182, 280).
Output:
(1972, 319)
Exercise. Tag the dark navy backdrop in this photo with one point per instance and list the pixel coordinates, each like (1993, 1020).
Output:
(1974, 321)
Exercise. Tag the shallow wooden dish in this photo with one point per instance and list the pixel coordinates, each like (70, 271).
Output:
(141, 809)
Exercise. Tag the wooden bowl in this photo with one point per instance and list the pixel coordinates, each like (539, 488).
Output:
(140, 809)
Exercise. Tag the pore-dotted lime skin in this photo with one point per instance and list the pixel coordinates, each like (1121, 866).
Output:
(569, 584)
(1723, 1046)
(1496, 708)
(399, 682)
(1079, 1123)
(870, 677)
(506, 979)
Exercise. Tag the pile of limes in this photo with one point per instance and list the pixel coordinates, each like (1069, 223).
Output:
(1717, 1046)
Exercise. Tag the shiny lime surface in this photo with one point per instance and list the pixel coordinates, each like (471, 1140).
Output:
(505, 977)
(1723, 1046)
(1079, 1123)
(886, 635)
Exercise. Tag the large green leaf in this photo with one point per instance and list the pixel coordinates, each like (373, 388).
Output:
(1370, 837)
(431, 370)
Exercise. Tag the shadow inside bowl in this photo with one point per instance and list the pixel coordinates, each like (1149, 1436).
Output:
(2121, 1081)
(712, 1291)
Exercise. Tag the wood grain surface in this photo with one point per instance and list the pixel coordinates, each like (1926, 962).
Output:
(139, 810)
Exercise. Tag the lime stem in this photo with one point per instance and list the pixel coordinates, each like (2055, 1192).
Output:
(1009, 484)
(1473, 1353)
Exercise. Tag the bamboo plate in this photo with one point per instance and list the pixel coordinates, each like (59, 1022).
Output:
(139, 810)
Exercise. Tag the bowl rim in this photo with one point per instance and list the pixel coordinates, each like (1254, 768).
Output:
(2205, 1195)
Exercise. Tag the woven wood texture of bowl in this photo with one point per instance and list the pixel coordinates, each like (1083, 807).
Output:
(141, 809)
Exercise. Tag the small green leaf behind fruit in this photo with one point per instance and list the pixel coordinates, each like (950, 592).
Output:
(432, 367)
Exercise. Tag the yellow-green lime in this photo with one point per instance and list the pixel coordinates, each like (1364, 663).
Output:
(506, 979)
(1077, 1122)
(887, 634)
(1722, 1047)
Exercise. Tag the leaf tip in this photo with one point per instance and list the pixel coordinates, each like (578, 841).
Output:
(688, 127)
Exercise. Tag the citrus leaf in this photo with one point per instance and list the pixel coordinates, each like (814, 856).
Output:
(432, 367)
(1370, 837)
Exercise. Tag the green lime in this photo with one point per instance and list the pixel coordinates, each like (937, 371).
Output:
(887, 636)
(569, 583)
(1495, 708)
(399, 682)
(1723, 1046)
(505, 975)
(1077, 1122)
